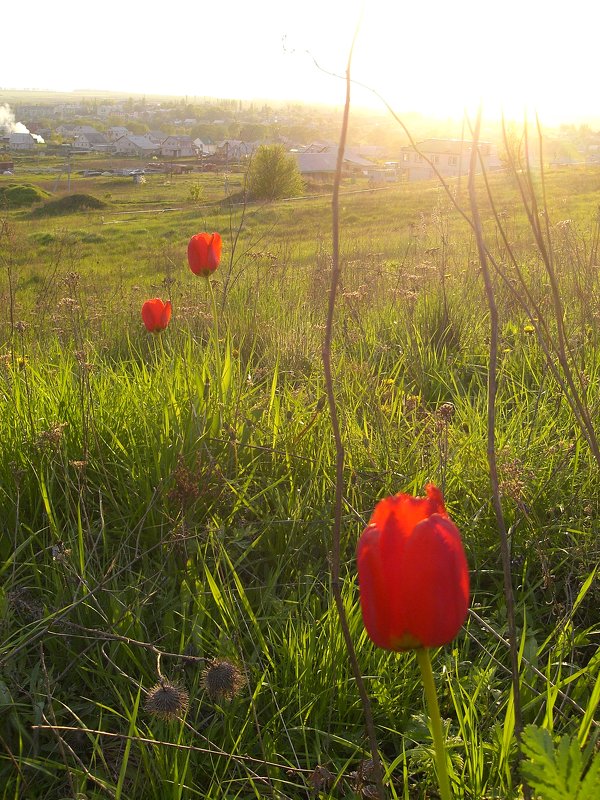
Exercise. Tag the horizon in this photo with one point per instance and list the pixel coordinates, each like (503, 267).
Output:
(11, 97)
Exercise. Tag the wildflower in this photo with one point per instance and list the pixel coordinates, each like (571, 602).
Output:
(166, 700)
(413, 574)
(528, 329)
(446, 412)
(222, 680)
(50, 439)
(204, 253)
(156, 314)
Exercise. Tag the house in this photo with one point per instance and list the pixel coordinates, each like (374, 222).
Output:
(71, 131)
(115, 132)
(91, 141)
(354, 163)
(318, 166)
(134, 145)
(156, 137)
(234, 149)
(178, 147)
(22, 141)
(205, 146)
(450, 157)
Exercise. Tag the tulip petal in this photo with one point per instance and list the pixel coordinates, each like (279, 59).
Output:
(214, 251)
(156, 314)
(204, 253)
(198, 253)
(373, 583)
(407, 510)
(413, 574)
(436, 581)
(166, 314)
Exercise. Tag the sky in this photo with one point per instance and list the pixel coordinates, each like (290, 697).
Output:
(437, 57)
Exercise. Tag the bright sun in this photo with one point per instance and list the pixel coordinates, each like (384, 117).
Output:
(438, 57)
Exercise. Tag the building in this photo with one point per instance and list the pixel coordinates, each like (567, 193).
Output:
(91, 141)
(71, 131)
(134, 145)
(322, 164)
(205, 146)
(22, 141)
(450, 157)
(156, 137)
(317, 166)
(178, 147)
(115, 132)
(235, 150)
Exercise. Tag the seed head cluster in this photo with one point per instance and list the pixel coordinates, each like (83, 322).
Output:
(222, 680)
(166, 700)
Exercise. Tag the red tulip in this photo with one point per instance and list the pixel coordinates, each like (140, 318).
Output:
(412, 572)
(204, 253)
(156, 314)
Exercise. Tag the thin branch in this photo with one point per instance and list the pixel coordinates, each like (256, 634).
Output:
(214, 751)
(339, 445)
(491, 435)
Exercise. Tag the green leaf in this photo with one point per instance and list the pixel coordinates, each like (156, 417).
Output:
(558, 773)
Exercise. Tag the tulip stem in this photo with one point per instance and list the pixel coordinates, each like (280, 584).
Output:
(436, 722)
(217, 347)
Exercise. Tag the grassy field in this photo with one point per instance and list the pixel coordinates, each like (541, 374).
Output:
(167, 499)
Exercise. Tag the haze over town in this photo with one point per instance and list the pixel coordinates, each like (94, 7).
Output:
(534, 57)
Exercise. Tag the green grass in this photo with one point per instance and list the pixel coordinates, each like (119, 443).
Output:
(174, 493)
(15, 195)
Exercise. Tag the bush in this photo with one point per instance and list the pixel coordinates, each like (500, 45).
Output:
(273, 173)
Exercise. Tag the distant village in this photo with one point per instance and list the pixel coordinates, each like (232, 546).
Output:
(221, 135)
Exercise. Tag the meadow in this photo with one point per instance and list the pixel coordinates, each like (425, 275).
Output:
(167, 499)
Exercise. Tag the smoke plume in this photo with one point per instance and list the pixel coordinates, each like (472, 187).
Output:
(9, 125)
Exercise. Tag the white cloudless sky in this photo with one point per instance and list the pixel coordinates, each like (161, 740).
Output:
(437, 56)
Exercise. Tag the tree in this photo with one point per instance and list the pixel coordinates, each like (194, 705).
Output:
(273, 173)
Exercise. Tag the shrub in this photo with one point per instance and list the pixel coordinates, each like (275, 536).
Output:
(273, 173)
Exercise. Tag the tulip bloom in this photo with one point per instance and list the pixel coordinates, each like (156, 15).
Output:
(413, 574)
(156, 314)
(204, 253)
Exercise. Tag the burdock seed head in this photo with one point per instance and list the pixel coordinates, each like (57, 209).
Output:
(222, 680)
(166, 700)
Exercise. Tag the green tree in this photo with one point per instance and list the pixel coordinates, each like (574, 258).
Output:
(273, 173)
